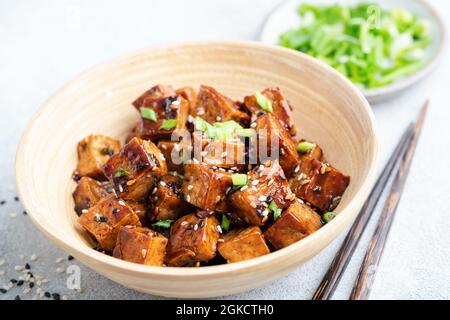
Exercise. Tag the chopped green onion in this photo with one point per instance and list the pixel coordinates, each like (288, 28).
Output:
(225, 225)
(327, 217)
(305, 146)
(239, 179)
(218, 131)
(169, 124)
(121, 172)
(263, 102)
(165, 224)
(246, 133)
(201, 124)
(148, 114)
(276, 211)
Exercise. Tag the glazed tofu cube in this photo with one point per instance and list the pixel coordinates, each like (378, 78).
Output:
(140, 245)
(140, 208)
(176, 154)
(93, 152)
(214, 107)
(104, 220)
(173, 108)
(269, 128)
(157, 92)
(296, 222)
(193, 238)
(88, 192)
(243, 244)
(319, 184)
(206, 187)
(280, 105)
(167, 200)
(229, 154)
(135, 169)
(266, 183)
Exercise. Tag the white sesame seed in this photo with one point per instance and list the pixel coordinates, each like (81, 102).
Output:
(219, 228)
(254, 188)
(297, 168)
(84, 211)
(162, 183)
(190, 119)
(262, 198)
(144, 253)
(183, 223)
(218, 118)
(253, 125)
(2, 262)
(19, 268)
(195, 227)
(255, 182)
(188, 198)
(190, 187)
(26, 290)
(154, 190)
(60, 270)
(243, 188)
(13, 215)
(121, 203)
(2, 272)
(120, 188)
(270, 182)
(22, 257)
(64, 297)
(59, 260)
(200, 111)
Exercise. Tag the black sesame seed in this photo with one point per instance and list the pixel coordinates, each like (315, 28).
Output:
(19, 283)
(27, 266)
(317, 189)
(70, 258)
(47, 294)
(201, 224)
(31, 285)
(31, 274)
(25, 213)
(2, 202)
(17, 298)
(16, 198)
(13, 281)
(2, 290)
(56, 296)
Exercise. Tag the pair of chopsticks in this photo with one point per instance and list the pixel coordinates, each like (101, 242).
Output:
(361, 289)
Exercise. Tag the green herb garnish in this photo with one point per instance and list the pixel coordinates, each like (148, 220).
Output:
(169, 124)
(121, 172)
(276, 211)
(327, 217)
(239, 179)
(148, 114)
(165, 224)
(305, 146)
(263, 102)
(370, 45)
(246, 133)
(219, 130)
(225, 225)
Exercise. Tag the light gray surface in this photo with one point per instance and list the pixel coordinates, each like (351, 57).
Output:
(44, 44)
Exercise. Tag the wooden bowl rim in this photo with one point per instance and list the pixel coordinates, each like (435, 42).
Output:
(166, 273)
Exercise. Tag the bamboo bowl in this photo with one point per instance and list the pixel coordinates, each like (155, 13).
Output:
(328, 109)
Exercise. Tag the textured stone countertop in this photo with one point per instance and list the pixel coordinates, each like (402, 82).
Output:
(44, 44)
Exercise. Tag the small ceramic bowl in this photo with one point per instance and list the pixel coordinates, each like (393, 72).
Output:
(285, 17)
(328, 109)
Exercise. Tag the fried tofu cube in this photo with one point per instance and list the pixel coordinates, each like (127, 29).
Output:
(281, 108)
(140, 208)
(215, 107)
(93, 152)
(88, 192)
(266, 183)
(135, 169)
(140, 245)
(229, 154)
(157, 92)
(174, 153)
(167, 200)
(104, 220)
(174, 108)
(319, 184)
(269, 128)
(206, 187)
(243, 244)
(296, 222)
(193, 238)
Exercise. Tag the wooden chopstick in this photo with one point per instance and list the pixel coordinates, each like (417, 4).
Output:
(366, 276)
(345, 253)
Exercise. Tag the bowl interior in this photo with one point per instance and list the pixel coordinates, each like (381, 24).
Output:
(327, 109)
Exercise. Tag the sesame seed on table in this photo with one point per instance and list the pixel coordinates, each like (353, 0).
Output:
(417, 254)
